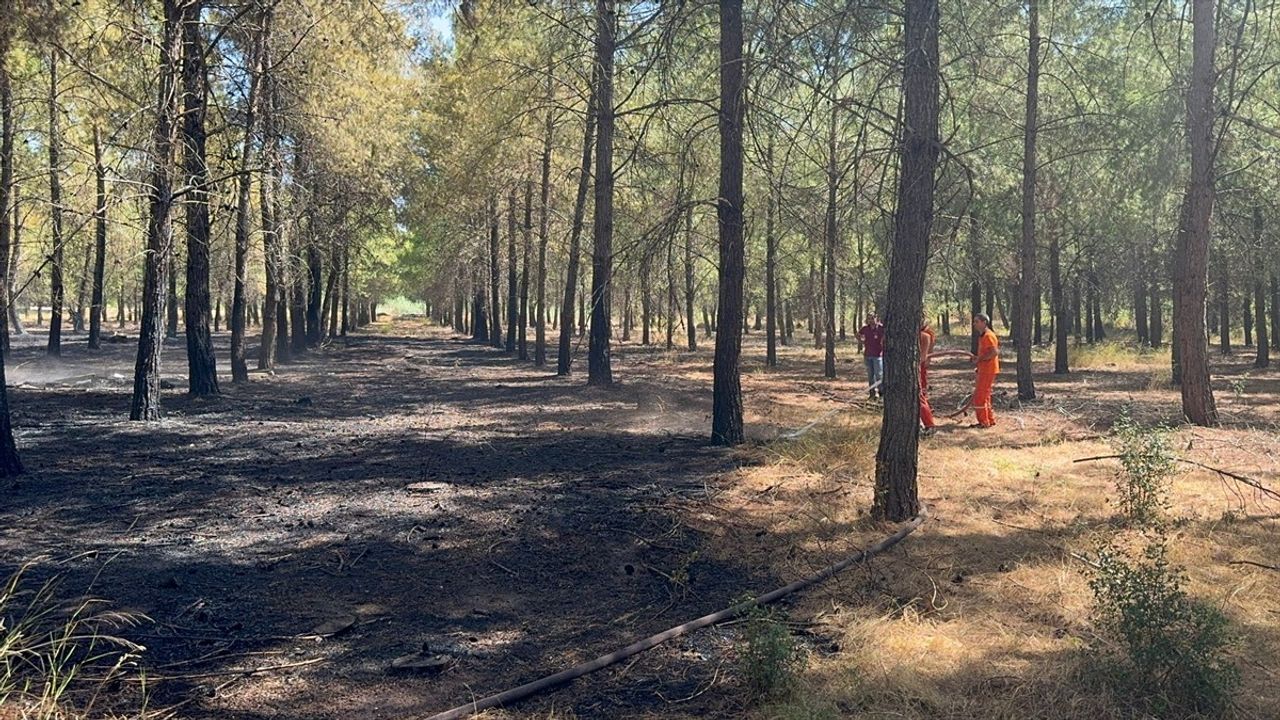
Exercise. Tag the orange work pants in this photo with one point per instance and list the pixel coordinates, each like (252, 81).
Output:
(982, 398)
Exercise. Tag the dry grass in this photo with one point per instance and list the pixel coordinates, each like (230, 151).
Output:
(984, 612)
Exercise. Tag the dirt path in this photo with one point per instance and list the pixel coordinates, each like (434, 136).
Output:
(435, 493)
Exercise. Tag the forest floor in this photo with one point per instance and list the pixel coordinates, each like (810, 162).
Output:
(403, 492)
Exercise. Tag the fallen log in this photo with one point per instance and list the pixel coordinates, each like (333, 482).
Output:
(507, 697)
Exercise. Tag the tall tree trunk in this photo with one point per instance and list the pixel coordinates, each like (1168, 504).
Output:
(1061, 320)
(896, 496)
(770, 265)
(346, 290)
(726, 412)
(239, 366)
(82, 289)
(564, 358)
(671, 291)
(522, 339)
(975, 288)
(646, 296)
(1275, 312)
(56, 290)
(495, 272)
(267, 192)
(7, 228)
(146, 377)
(513, 274)
(479, 306)
(830, 232)
(789, 323)
(690, 324)
(1027, 278)
(544, 220)
(171, 305)
(315, 292)
(10, 464)
(1262, 358)
(1224, 309)
(1140, 299)
(1247, 315)
(1099, 330)
(1191, 260)
(1156, 306)
(599, 368)
(298, 298)
(202, 371)
(96, 302)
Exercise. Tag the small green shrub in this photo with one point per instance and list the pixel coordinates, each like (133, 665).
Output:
(1171, 648)
(770, 659)
(1147, 456)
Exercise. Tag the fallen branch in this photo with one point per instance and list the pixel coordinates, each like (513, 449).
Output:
(1255, 484)
(1255, 564)
(242, 672)
(604, 661)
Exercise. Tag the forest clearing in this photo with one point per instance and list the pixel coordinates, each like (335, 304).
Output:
(437, 494)
(777, 360)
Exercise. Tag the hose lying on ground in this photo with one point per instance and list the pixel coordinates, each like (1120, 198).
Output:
(519, 693)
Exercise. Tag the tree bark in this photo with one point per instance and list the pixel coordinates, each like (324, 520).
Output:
(1262, 357)
(1140, 299)
(7, 198)
(770, 265)
(202, 371)
(726, 413)
(10, 463)
(1224, 309)
(1191, 259)
(96, 303)
(1061, 320)
(495, 274)
(1275, 312)
(646, 296)
(830, 232)
(146, 377)
(599, 367)
(1027, 277)
(522, 339)
(267, 193)
(254, 65)
(564, 358)
(896, 496)
(671, 291)
(513, 274)
(56, 289)
(544, 220)
(690, 323)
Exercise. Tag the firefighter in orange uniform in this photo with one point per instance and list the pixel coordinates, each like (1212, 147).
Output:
(987, 364)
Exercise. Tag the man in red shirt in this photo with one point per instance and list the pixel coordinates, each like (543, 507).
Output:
(872, 337)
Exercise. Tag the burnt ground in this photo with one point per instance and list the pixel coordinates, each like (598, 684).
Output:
(406, 493)
(425, 491)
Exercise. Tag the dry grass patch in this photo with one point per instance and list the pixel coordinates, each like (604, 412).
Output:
(986, 612)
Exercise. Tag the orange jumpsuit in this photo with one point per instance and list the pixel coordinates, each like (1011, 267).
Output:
(926, 345)
(986, 380)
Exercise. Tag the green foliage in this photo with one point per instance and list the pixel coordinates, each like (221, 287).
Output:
(47, 645)
(1171, 648)
(769, 659)
(1147, 456)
